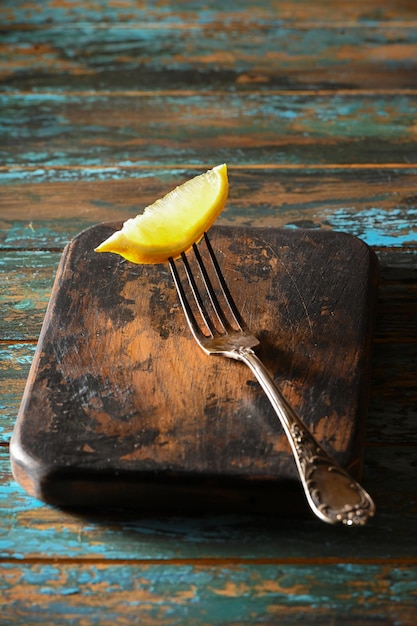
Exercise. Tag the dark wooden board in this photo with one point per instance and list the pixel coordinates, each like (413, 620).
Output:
(122, 408)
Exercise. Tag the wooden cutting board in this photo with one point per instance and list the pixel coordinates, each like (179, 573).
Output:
(122, 408)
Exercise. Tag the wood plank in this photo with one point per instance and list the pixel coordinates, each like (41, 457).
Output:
(25, 288)
(220, 594)
(61, 568)
(266, 55)
(110, 535)
(15, 361)
(44, 207)
(53, 129)
(177, 12)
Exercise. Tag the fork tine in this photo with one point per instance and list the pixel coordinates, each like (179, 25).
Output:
(188, 310)
(209, 288)
(225, 289)
(224, 326)
(192, 322)
(196, 293)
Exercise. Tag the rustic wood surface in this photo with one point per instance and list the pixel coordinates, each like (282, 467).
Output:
(103, 108)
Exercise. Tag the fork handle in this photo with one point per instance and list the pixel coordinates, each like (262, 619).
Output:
(333, 495)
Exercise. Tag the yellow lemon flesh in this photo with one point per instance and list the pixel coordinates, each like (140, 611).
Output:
(173, 223)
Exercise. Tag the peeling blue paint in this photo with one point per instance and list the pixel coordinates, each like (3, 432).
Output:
(163, 593)
(352, 119)
(23, 175)
(376, 226)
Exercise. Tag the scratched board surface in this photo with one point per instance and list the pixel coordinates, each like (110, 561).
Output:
(313, 107)
(122, 407)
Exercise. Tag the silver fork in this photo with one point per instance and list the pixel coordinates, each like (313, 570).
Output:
(333, 495)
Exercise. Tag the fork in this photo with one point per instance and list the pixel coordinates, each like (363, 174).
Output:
(333, 495)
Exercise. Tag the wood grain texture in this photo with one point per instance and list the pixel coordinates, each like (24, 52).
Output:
(38, 207)
(392, 408)
(239, 129)
(265, 55)
(209, 595)
(111, 413)
(369, 12)
(313, 106)
(25, 290)
(393, 398)
(15, 361)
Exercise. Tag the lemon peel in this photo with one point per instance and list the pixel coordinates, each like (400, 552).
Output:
(173, 223)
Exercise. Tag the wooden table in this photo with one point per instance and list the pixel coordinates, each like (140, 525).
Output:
(105, 106)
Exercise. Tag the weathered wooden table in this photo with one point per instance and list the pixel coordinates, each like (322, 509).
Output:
(105, 106)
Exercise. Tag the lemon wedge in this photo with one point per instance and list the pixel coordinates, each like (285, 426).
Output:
(173, 223)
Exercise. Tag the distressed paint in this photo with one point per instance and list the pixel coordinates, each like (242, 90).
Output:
(25, 175)
(377, 205)
(276, 67)
(136, 56)
(53, 129)
(216, 594)
(25, 287)
(15, 361)
(367, 12)
(396, 227)
(304, 177)
(41, 234)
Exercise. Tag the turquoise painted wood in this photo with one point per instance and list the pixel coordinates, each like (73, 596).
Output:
(209, 595)
(260, 54)
(104, 106)
(15, 361)
(211, 128)
(375, 204)
(369, 12)
(25, 291)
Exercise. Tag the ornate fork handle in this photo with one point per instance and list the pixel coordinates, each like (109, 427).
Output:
(331, 492)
